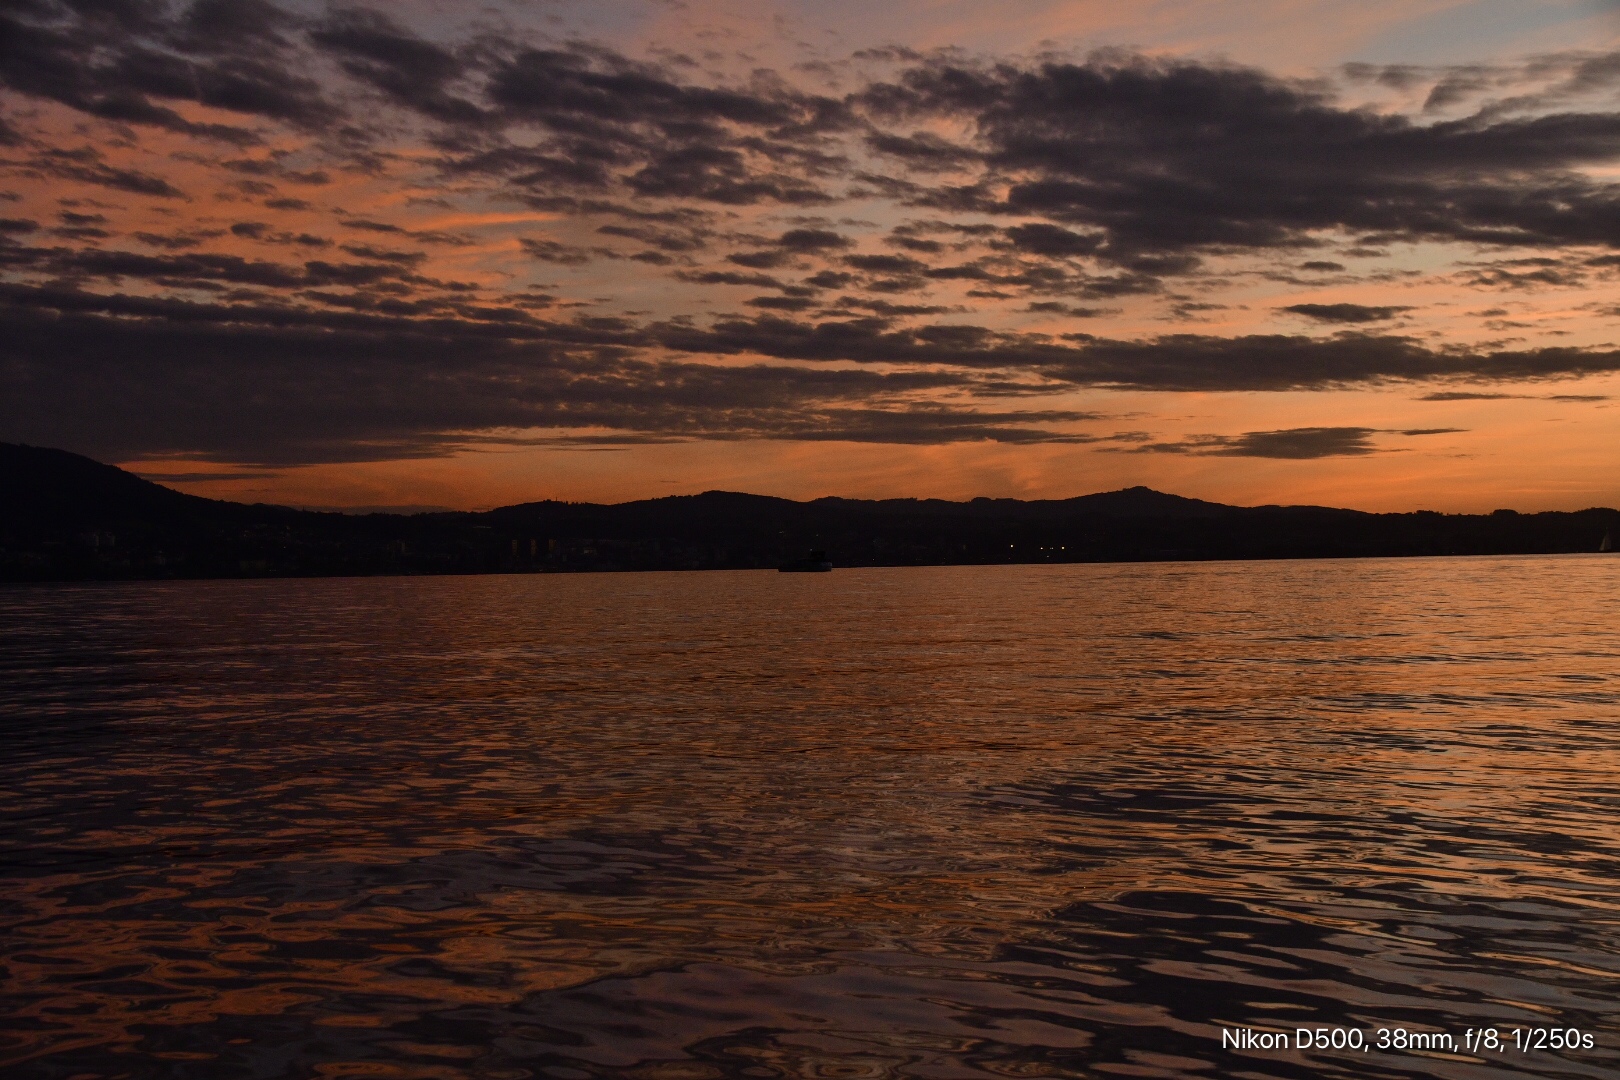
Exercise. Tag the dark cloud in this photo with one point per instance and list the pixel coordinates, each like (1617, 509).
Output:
(1040, 278)
(415, 73)
(1543, 82)
(119, 61)
(1103, 179)
(1290, 444)
(86, 164)
(1296, 444)
(673, 240)
(209, 270)
(759, 260)
(429, 236)
(1053, 307)
(888, 310)
(81, 226)
(1527, 273)
(727, 277)
(1276, 362)
(782, 303)
(812, 240)
(391, 376)
(131, 376)
(1042, 239)
(553, 251)
(1172, 155)
(368, 251)
(179, 241)
(885, 264)
(1172, 362)
(1136, 161)
(921, 150)
(608, 122)
(1345, 313)
(829, 279)
(80, 232)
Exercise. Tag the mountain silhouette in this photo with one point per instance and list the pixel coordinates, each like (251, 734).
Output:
(67, 517)
(58, 488)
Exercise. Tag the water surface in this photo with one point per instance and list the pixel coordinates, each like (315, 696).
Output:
(942, 822)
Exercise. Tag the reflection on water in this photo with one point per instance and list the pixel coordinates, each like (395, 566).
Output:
(1014, 821)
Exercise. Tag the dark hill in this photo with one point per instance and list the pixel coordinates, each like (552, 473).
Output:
(67, 517)
(1145, 502)
(56, 489)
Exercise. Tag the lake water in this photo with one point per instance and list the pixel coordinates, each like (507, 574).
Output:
(940, 822)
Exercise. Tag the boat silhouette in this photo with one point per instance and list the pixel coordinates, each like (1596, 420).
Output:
(814, 563)
(1608, 542)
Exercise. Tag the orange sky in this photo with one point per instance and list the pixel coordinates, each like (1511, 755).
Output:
(1358, 255)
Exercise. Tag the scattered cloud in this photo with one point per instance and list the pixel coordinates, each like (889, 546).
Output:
(249, 202)
(1292, 444)
(1345, 313)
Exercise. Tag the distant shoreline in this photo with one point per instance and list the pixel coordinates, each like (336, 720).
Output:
(30, 583)
(73, 519)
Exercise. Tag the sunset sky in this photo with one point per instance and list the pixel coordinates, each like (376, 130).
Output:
(463, 255)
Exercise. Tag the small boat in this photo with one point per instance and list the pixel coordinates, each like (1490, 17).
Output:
(1608, 542)
(815, 563)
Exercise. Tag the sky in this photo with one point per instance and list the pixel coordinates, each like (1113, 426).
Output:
(431, 254)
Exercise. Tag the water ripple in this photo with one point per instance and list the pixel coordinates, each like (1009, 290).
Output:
(1006, 821)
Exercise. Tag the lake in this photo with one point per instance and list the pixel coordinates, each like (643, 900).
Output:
(1089, 820)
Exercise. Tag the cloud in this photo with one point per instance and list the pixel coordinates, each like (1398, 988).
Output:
(1289, 444)
(1028, 193)
(1120, 157)
(118, 61)
(673, 240)
(207, 270)
(1542, 82)
(1296, 444)
(1465, 395)
(1170, 362)
(86, 164)
(595, 121)
(1042, 239)
(415, 73)
(133, 376)
(813, 240)
(1055, 308)
(553, 251)
(1345, 313)
(1165, 155)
